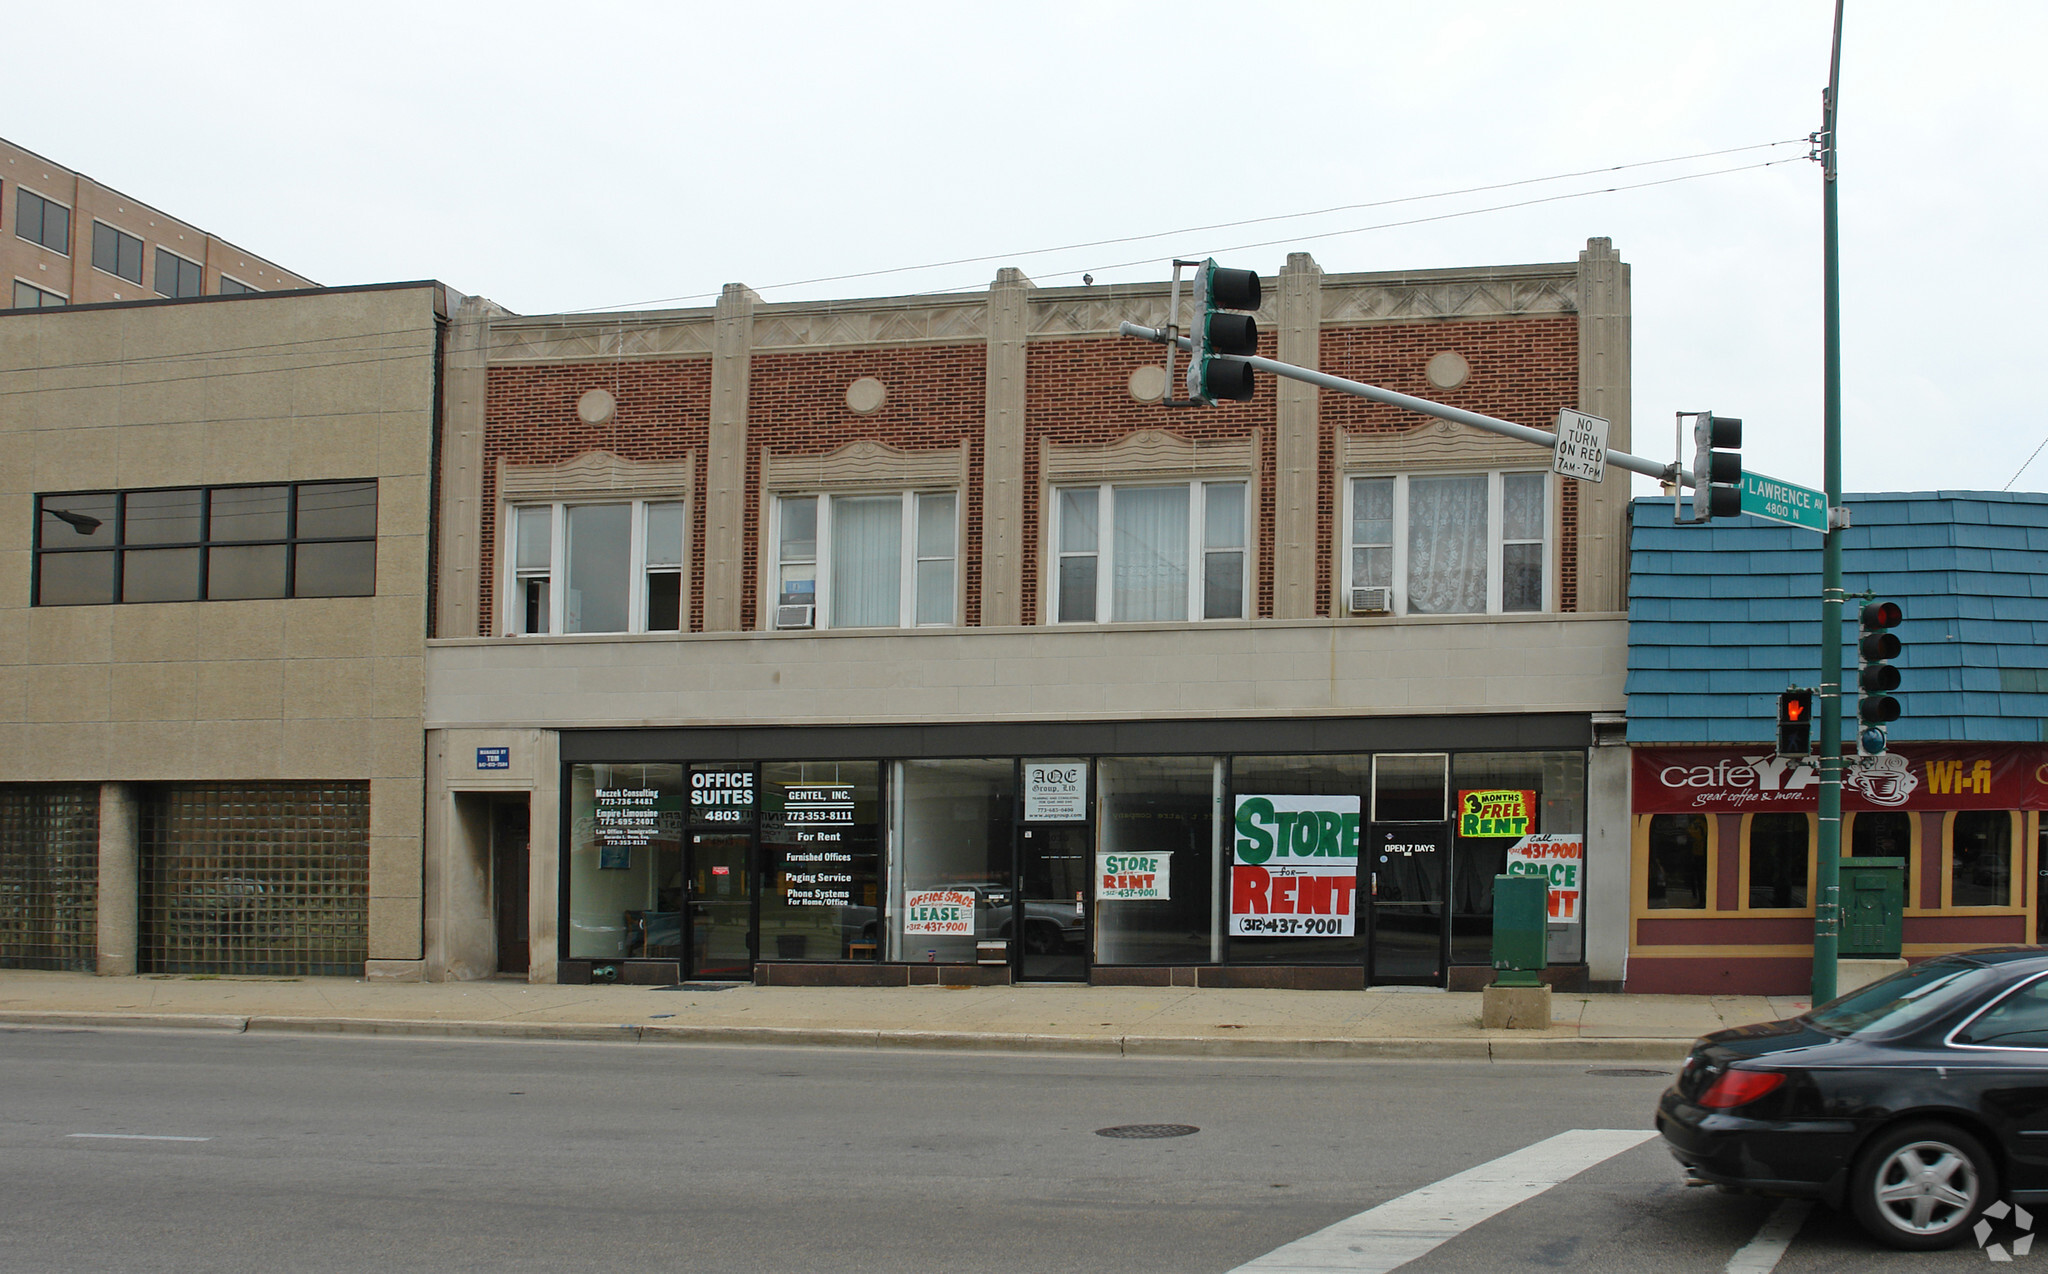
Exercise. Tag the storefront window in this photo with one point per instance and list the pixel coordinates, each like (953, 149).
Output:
(1881, 834)
(1777, 860)
(1157, 883)
(1557, 783)
(625, 861)
(1408, 788)
(950, 836)
(820, 824)
(1330, 776)
(1678, 862)
(1980, 870)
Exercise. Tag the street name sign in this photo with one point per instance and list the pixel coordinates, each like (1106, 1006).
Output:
(1581, 450)
(1782, 501)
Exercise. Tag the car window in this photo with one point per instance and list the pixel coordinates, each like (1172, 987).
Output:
(1903, 999)
(2020, 1020)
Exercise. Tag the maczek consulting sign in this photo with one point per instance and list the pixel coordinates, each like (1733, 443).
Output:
(1294, 867)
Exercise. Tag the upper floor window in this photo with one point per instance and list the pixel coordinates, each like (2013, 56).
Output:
(867, 561)
(298, 539)
(234, 287)
(117, 252)
(1130, 552)
(175, 276)
(27, 296)
(1446, 544)
(39, 220)
(596, 568)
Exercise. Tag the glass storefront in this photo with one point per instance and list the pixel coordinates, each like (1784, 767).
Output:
(1058, 864)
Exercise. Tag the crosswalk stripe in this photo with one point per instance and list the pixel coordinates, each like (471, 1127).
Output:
(1397, 1231)
(1762, 1253)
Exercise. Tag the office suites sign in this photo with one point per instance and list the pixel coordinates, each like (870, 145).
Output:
(1912, 776)
(1294, 867)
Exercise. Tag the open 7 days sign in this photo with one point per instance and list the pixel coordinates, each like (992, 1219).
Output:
(1294, 866)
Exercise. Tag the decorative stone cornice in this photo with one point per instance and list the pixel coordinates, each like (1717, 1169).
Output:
(1434, 444)
(865, 464)
(1149, 453)
(596, 474)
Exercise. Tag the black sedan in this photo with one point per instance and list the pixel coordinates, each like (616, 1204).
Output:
(1917, 1102)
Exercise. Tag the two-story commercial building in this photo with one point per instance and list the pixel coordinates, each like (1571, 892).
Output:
(914, 638)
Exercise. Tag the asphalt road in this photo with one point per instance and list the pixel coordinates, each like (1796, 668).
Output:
(320, 1153)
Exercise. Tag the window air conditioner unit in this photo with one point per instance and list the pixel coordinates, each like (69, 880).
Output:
(796, 615)
(1371, 600)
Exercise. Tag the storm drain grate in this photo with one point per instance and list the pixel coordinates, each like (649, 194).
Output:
(699, 986)
(1629, 1072)
(1146, 1132)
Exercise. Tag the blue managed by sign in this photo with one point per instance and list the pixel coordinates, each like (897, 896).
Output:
(494, 758)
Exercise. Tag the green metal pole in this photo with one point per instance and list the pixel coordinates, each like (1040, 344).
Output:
(1827, 911)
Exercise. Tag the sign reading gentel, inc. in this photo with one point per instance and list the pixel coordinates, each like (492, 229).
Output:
(1922, 776)
(1294, 866)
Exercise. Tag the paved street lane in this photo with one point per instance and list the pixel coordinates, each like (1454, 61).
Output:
(173, 1151)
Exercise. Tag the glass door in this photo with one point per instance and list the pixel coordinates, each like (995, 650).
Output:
(718, 905)
(1405, 893)
(1052, 903)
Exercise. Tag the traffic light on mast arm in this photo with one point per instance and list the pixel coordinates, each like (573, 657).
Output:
(1876, 678)
(1795, 723)
(1716, 466)
(1216, 366)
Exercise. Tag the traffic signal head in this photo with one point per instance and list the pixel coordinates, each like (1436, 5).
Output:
(1795, 723)
(1876, 678)
(1716, 467)
(1221, 339)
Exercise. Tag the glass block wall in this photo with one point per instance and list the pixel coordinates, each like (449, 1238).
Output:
(49, 875)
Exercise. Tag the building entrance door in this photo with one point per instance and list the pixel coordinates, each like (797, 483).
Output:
(1404, 890)
(1048, 926)
(509, 838)
(717, 905)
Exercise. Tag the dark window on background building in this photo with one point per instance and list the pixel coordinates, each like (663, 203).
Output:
(1881, 834)
(307, 539)
(175, 276)
(27, 296)
(117, 252)
(235, 287)
(38, 220)
(1777, 860)
(1679, 878)
(821, 859)
(1980, 868)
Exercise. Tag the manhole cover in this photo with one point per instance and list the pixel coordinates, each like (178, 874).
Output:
(1629, 1072)
(1146, 1132)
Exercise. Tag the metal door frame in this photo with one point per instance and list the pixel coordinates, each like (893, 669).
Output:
(1017, 827)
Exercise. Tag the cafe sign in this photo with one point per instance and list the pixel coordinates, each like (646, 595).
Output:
(1909, 776)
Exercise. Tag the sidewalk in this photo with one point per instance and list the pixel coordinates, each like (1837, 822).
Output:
(1383, 1023)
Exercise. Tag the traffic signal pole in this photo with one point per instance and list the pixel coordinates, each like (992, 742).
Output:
(1827, 910)
(1662, 470)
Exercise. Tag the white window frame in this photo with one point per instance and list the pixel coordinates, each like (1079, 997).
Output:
(1105, 538)
(513, 609)
(821, 562)
(1495, 515)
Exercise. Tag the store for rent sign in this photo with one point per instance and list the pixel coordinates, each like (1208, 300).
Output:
(1495, 811)
(939, 911)
(1559, 859)
(1294, 866)
(1133, 877)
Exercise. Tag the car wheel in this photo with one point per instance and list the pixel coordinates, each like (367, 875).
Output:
(1919, 1185)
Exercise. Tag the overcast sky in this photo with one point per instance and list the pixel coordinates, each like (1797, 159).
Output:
(558, 157)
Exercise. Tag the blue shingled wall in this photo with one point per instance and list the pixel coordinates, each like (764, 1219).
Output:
(1725, 615)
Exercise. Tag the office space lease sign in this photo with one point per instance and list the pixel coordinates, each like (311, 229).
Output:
(1294, 866)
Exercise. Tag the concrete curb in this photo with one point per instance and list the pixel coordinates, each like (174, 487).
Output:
(1544, 1049)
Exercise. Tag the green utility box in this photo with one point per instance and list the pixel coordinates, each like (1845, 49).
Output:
(1873, 905)
(1521, 930)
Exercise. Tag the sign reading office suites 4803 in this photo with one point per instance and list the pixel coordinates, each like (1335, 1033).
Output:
(1294, 867)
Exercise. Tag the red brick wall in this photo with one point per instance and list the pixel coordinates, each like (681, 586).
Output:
(1078, 391)
(530, 418)
(936, 401)
(1523, 370)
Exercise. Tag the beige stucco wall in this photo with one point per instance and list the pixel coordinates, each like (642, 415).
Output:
(278, 388)
(1536, 663)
